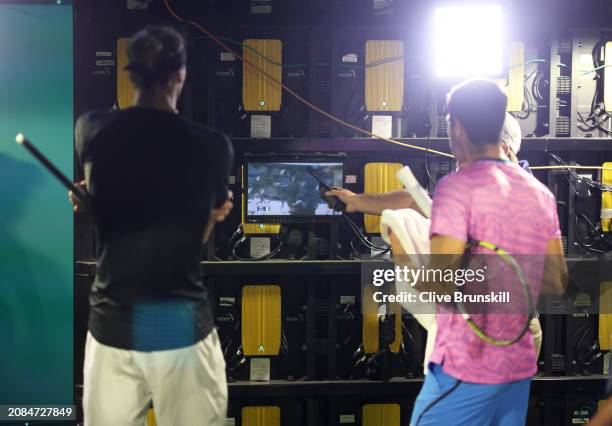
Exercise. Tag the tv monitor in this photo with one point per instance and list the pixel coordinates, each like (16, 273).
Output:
(286, 189)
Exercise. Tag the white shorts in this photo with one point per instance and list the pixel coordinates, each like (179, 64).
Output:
(187, 385)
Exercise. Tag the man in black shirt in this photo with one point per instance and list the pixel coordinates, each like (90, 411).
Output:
(157, 182)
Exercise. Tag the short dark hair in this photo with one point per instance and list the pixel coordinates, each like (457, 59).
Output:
(480, 106)
(153, 53)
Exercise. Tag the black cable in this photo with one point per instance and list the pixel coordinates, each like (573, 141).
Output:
(597, 242)
(438, 399)
(361, 236)
(359, 256)
(237, 233)
(592, 183)
(597, 108)
(236, 256)
(535, 87)
(228, 341)
(270, 255)
(592, 351)
(348, 315)
(589, 128)
(240, 361)
(284, 342)
(237, 359)
(407, 331)
(529, 104)
(368, 244)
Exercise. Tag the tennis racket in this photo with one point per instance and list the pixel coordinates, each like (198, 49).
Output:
(529, 309)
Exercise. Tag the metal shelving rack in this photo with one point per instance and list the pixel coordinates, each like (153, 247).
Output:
(313, 392)
(98, 28)
(554, 391)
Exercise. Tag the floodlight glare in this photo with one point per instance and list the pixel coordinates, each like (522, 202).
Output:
(468, 40)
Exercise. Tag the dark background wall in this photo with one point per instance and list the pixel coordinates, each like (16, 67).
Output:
(315, 33)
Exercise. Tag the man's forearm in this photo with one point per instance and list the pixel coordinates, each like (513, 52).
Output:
(603, 416)
(208, 230)
(376, 203)
(555, 277)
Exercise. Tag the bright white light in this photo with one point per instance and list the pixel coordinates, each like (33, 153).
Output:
(468, 41)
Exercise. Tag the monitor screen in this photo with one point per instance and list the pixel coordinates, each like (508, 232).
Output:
(290, 190)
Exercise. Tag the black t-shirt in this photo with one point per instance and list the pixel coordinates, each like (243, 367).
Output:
(154, 178)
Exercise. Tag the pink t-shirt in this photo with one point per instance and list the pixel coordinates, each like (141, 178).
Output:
(500, 203)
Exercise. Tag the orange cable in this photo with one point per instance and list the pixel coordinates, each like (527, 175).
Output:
(298, 97)
(334, 118)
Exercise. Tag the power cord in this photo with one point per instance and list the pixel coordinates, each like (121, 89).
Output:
(585, 356)
(596, 241)
(598, 115)
(241, 238)
(570, 170)
(365, 242)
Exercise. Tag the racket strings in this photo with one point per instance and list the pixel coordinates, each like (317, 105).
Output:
(502, 323)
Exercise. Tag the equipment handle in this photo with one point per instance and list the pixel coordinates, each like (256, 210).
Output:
(416, 191)
(78, 192)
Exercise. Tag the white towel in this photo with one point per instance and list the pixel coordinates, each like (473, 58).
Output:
(412, 230)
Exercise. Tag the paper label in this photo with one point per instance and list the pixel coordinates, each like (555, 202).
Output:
(260, 246)
(261, 126)
(227, 300)
(109, 54)
(261, 7)
(260, 369)
(138, 4)
(347, 300)
(382, 7)
(347, 418)
(350, 58)
(582, 299)
(350, 179)
(382, 125)
(227, 56)
(105, 63)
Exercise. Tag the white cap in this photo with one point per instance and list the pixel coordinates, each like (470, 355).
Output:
(511, 133)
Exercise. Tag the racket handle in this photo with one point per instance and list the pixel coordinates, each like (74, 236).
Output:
(78, 192)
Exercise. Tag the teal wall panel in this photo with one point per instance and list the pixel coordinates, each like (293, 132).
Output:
(36, 221)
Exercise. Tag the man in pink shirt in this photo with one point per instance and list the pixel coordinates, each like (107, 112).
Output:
(490, 199)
